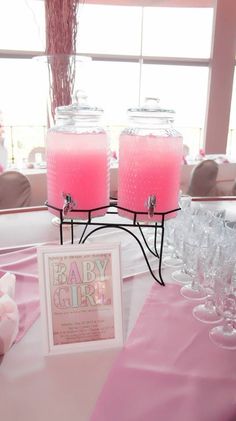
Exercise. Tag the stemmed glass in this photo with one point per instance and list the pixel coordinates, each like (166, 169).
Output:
(225, 293)
(219, 250)
(178, 232)
(183, 274)
(209, 263)
(175, 257)
(185, 201)
(192, 290)
(169, 236)
(225, 335)
(192, 234)
(211, 228)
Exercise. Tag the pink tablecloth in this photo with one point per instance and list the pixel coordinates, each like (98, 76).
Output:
(169, 370)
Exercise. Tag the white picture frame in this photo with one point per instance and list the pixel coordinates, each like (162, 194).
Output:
(80, 297)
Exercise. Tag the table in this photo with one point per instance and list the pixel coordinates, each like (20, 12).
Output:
(67, 387)
(169, 370)
(59, 388)
(37, 178)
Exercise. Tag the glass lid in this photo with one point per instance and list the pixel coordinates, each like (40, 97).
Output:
(79, 108)
(152, 109)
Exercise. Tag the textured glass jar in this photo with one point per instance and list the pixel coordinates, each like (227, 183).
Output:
(150, 156)
(78, 161)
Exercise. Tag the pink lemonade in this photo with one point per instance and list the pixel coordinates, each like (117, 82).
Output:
(149, 165)
(78, 164)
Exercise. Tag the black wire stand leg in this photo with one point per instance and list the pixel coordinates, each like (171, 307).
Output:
(113, 208)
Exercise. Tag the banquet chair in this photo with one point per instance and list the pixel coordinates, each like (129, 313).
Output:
(203, 179)
(185, 153)
(234, 189)
(15, 190)
(36, 152)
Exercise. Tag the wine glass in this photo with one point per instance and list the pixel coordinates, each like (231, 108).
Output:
(225, 293)
(212, 234)
(169, 236)
(193, 233)
(208, 264)
(185, 201)
(181, 223)
(218, 253)
(183, 274)
(225, 335)
(175, 257)
(194, 289)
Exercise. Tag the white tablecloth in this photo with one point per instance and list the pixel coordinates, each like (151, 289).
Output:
(63, 387)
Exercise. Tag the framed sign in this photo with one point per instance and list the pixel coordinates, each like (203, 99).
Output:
(80, 297)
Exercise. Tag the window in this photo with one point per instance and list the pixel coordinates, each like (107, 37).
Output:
(109, 29)
(177, 32)
(183, 88)
(169, 52)
(138, 68)
(22, 92)
(23, 102)
(22, 25)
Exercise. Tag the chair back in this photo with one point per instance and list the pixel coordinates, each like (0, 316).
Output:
(203, 179)
(234, 188)
(15, 190)
(35, 153)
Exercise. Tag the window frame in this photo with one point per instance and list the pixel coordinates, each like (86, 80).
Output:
(221, 64)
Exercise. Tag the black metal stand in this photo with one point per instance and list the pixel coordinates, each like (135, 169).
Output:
(113, 208)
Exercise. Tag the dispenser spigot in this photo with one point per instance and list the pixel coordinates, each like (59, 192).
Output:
(151, 204)
(69, 203)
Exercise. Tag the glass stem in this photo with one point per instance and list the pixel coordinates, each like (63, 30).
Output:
(228, 326)
(195, 284)
(184, 269)
(209, 303)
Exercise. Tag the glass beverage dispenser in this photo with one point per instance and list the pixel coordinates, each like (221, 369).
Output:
(150, 156)
(78, 161)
